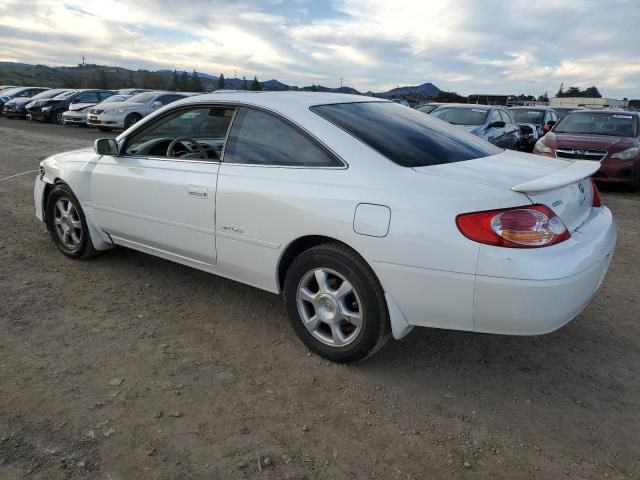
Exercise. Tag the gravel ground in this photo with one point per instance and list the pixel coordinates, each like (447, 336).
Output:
(128, 366)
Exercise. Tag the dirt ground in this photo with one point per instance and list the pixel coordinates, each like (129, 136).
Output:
(128, 366)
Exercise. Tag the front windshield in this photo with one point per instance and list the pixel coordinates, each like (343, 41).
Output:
(116, 98)
(143, 97)
(47, 94)
(596, 123)
(528, 116)
(461, 115)
(64, 95)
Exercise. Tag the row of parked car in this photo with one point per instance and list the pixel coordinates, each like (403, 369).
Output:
(611, 137)
(103, 109)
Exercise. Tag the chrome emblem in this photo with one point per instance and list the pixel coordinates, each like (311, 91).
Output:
(579, 152)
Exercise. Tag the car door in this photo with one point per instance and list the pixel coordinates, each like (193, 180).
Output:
(269, 170)
(161, 201)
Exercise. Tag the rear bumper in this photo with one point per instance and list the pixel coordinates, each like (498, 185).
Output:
(514, 291)
(543, 292)
(109, 121)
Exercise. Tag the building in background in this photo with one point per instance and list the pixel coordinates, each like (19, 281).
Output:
(588, 102)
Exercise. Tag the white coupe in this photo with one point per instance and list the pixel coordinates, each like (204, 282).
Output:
(370, 217)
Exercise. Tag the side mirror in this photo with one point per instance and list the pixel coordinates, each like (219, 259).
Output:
(156, 104)
(497, 124)
(106, 146)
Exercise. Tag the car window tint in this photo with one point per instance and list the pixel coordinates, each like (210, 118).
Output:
(260, 138)
(87, 97)
(105, 95)
(167, 99)
(207, 125)
(405, 136)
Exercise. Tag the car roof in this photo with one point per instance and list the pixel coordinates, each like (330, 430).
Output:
(292, 100)
(520, 107)
(608, 110)
(469, 105)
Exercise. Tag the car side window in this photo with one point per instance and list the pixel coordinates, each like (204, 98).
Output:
(207, 126)
(507, 118)
(167, 99)
(104, 95)
(495, 117)
(261, 138)
(87, 97)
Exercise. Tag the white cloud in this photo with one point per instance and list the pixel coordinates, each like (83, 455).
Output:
(498, 46)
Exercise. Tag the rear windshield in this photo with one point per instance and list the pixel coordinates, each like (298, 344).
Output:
(528, 116)
(405, 136)
(462, 115)
(610, 124)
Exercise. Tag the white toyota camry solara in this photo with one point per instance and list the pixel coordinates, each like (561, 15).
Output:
(370, 217)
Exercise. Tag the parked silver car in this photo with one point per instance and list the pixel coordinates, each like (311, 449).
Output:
(124, 114)
(77, 115)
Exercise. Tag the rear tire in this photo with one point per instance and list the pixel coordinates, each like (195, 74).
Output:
(335, 304)
(67, 224)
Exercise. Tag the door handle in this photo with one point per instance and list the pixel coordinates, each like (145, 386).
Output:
(197, 192)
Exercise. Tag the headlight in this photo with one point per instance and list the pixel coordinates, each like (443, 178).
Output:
(115, 111)
(627, 154)
(47, 108)
(540, 147)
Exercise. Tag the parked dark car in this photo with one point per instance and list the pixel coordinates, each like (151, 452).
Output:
(18, 92)
(428, 107)
(562, 111)
(51, 110)
(492, 123)
(534, 122)
(611, 137)
(16, 108)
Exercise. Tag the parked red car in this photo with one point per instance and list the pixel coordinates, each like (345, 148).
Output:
(608, 136)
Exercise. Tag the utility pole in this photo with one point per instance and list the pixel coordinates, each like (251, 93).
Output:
(341, 79)
(82, 79)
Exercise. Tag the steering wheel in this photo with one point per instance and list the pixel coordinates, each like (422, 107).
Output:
(199, 150)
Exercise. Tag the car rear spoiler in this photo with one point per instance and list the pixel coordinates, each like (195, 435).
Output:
(576, 170)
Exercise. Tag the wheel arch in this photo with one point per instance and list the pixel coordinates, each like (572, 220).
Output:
(100, 241)
(399, 325)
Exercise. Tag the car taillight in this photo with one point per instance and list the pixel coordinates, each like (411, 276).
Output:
(529, 226)
(597, 203)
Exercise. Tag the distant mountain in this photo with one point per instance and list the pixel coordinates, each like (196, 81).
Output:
(425, 90)
(99, 76)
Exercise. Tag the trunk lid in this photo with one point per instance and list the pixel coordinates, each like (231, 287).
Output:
(562, 185)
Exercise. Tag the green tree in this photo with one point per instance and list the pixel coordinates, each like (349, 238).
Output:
(131, 82)
(560, 91)
(101, 80)
(195, 85)
(183, 82)
(255, 85)
(592, 92)
(152, 80)
(245, 85)
(221, 81)
(573, 92)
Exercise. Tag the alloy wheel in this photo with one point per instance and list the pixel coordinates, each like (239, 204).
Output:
(68, 224)
(329, 307)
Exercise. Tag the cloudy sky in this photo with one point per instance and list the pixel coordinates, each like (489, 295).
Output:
(469, 46)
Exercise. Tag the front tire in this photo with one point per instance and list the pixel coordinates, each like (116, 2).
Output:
(335, 304)
(67, 224)
(57, 117)
(131, 119)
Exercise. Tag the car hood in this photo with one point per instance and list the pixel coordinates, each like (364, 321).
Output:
(503, 170)
(589, 142)
(18, 101)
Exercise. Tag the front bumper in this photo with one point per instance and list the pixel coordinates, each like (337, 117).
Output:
(38, 197)
(102, 120)
(76, 118)
(618, 171)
